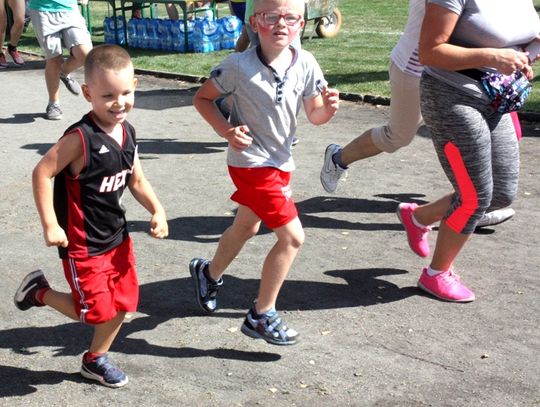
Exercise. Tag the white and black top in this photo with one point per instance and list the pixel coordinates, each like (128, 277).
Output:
(89, 205)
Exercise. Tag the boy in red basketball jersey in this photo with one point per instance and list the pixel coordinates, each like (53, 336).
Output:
(92, 164)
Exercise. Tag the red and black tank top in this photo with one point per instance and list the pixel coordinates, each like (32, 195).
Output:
(89, 206)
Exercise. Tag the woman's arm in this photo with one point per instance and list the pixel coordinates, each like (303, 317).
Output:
(435, 49)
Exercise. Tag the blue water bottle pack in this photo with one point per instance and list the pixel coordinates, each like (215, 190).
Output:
(111, 33)
(132, 37)
(164, 34)
(206, 35)
(231, 28)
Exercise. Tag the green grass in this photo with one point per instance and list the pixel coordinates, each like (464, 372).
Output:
(355, 61)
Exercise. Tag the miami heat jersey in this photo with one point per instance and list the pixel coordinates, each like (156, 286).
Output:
(89, 205)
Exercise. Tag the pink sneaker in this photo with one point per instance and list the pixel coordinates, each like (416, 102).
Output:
(445, 286)
(15, 55)
(3, 61)
(416, 236)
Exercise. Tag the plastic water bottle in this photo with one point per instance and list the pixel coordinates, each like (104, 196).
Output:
(141, 33)
(177, 38)
(119, 30)
(133, 38)
(206, 36)
(151, 31)
(231, 28)
(108, 33)
(208, 13)
(164, 34)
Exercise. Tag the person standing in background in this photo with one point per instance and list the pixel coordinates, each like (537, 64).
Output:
(17, 8)
(58, 24)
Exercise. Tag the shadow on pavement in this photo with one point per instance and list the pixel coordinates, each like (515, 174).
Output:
(208, 229)
(22, 118)
(173, 146)
(147, 146)
(164, 300)
(20, 382)
(29, 65)
(161, 99)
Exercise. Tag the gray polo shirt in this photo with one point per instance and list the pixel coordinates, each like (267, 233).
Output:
(268, 103)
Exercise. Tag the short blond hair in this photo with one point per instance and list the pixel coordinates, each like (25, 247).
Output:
(106, 57)
(297, 5)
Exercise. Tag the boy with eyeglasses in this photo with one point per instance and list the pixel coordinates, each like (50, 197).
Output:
(268, 84)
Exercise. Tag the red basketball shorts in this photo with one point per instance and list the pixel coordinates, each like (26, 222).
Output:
(267, 192)
(103, 285)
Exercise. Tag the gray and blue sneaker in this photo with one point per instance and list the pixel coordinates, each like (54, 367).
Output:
(103, 370)
(331, 173)
(270, 327)
(25, 296)
(205, 289)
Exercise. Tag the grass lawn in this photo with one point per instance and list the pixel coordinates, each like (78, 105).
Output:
(355, 61)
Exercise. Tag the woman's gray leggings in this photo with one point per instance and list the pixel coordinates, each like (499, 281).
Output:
(477, 149)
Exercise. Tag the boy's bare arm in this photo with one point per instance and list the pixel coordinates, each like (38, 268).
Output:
(145, 195)
(322, 108)
(66, 152)
(203, 101)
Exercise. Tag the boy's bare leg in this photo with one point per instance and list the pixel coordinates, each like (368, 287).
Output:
(245, 226)
(105, 333)
(278, 263)
(61, 302)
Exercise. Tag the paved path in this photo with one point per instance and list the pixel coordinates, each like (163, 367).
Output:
(369, 337)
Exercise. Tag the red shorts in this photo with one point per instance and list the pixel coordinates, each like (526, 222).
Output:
(104, 285)
(267, 192)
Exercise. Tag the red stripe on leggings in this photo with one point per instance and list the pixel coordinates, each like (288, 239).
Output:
(469, 198)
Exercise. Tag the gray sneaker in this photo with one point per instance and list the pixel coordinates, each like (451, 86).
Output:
(269, 327)
(71, 84)
(53, 111)
(495, 217)
(330, 172)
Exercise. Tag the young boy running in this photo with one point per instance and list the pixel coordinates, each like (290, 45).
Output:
(268, 84)
(84, 217)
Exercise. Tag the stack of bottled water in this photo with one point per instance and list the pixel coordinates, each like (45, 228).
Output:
(111, 33)
(231, 28)
(178, 36)
(204, 34)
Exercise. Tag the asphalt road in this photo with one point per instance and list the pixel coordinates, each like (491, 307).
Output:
(369, 336)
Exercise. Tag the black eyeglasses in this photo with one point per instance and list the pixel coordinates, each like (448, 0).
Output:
(273, 18)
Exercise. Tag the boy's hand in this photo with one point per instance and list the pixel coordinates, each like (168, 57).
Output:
(158, 226)
(238, 137)
(331, 99)
(55, 236)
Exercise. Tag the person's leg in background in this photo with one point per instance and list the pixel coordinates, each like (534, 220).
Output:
(172, 11)
(17, 8)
